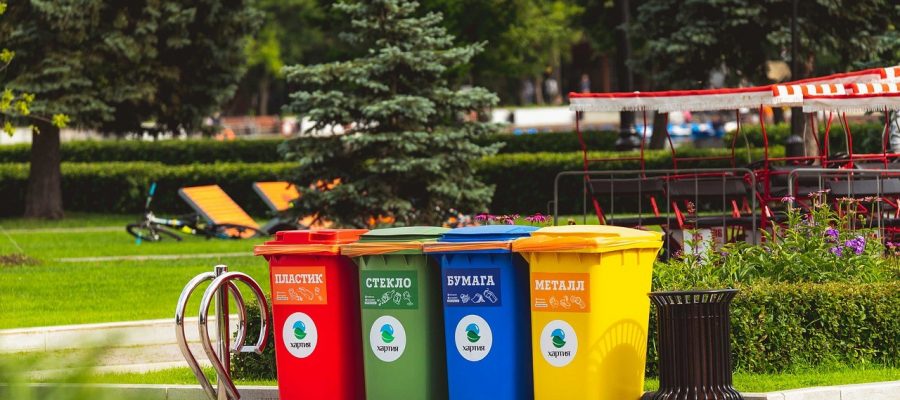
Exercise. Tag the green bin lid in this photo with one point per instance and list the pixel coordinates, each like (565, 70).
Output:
(403, 234)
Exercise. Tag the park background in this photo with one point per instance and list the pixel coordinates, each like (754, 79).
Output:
(156, 86)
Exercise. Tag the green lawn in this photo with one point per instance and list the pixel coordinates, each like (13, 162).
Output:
(743, 381)
(62, 293)
(80, 293)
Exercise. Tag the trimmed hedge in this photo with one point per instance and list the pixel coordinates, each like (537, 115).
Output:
(266, 150)
(524, 181)
(867, 140)
(784, 326)
(866, 136)
(122, 187)
(163, 151)
(775, 328)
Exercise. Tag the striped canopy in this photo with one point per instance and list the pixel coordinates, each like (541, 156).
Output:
(789, 94)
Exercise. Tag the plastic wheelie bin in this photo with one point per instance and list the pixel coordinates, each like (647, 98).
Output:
(402, 323)
(315, 306)
(589, 309)
(486, 312)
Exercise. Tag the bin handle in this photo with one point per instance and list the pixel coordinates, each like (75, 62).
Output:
(372, 249)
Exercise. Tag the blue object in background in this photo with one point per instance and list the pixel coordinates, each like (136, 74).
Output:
(487, 320)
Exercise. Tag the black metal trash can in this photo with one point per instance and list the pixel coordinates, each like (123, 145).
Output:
(694, 340)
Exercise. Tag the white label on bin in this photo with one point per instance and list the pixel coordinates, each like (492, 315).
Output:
(387, 338)
(300, 335)
(473, 338)
(559, 343)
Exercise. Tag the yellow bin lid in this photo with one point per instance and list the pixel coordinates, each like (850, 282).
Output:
(587, 239)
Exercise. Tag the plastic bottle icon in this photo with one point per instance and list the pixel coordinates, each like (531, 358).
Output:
(488, 294)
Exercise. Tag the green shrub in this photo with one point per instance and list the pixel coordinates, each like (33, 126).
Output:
(818, 246)
(523, 182)
(122, 187)
(786, 326)
(164, 151)
(252, 366)
(866, 136)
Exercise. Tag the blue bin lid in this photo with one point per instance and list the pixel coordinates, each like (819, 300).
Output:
(488, 233)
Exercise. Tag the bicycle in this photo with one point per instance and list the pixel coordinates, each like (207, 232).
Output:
(154, 229)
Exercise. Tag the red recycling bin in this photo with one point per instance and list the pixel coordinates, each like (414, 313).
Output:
(315, 307)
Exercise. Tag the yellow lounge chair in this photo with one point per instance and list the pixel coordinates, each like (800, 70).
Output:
(217, 208)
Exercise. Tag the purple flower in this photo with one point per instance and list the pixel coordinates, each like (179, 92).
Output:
(858, 244)
(833, 233)
(837, 251)
(537, 218)
(787, 199)
(484, 217)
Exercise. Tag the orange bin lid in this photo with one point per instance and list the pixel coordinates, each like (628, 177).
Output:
(318, 241)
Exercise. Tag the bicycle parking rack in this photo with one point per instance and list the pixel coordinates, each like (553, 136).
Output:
(222, 283)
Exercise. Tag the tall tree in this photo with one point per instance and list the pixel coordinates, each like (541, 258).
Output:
(292, 32)
(401, 139)
(524, 38)
(114, 65)
(685, 40)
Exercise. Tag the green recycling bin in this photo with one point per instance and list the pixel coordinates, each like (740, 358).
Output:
(402, 318)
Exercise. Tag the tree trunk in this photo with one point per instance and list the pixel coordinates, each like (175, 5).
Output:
(264, 94)
(539, 90)
(660, 128)
(43, 197)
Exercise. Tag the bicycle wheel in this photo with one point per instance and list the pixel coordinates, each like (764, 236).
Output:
(234, 231)
(150, 233)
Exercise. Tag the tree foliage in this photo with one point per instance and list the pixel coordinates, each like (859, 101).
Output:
(116, 65)
(685, 40)
(400, 146)
(16, 105)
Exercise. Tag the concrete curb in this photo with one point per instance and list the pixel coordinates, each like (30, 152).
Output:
(160, 392)
(118, 334)
(866, 391)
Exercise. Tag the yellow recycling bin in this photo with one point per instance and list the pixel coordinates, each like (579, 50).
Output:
(589, 310)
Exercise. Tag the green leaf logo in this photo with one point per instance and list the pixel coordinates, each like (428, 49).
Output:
(558, 337)
(387, 333)
(472, 333)
(299, 330)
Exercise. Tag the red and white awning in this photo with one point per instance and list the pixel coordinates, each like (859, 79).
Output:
(789, 94)
(793, 95)
(860, 97)
(675, 100)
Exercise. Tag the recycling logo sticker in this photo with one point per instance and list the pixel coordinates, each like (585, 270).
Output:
(559, 343)
(300, 335)
(387, 338)
(474, 338)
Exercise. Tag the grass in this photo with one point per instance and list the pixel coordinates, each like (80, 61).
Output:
(62, 293)
(72, 220)
(744, 382)
(81, 293)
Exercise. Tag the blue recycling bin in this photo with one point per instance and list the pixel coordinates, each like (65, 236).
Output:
(487, 321)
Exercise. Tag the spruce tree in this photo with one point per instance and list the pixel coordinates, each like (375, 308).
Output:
(401, 138)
